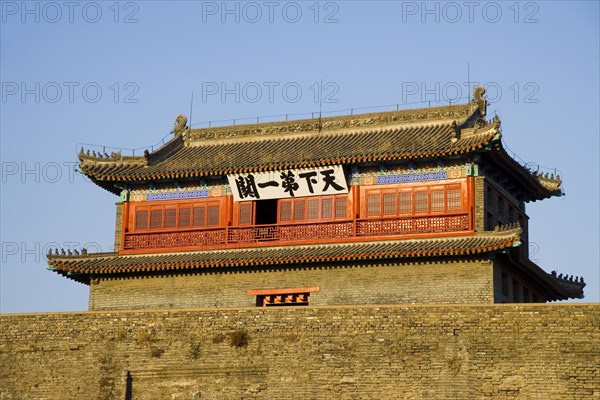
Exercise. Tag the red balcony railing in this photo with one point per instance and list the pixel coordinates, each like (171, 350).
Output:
(346, 230)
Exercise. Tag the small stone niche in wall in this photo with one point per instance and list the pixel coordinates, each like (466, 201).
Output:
(283, 296)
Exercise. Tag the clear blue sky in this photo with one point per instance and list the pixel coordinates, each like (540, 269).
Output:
(118, 74)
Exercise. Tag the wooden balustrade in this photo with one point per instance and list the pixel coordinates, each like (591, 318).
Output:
(301, 233)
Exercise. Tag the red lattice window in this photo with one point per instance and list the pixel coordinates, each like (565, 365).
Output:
(213, 215)
(340, 208)
(299, 208)
(327, 208)
(156, 218)
(405, 202)
(373, 204)
(173, 216)
(421, 202)
(245, 216)
(313, 209)
(199, 216)
(437, 200)
(285, 211)
(170, 218)
(389, 203)
(141, 219)
(184, 217)
(453, 199)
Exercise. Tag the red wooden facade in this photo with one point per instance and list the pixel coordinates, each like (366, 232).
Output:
(374, 212)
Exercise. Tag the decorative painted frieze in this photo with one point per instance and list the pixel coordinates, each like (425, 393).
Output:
(178, 193)
(408, 176)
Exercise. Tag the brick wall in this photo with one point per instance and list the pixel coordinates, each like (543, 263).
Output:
(418, 282)
(479, 189)
(543, 351)
(118, 226)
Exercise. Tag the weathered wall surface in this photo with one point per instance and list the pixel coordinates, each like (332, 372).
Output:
(542, 351)
(118, 226)
(422, 282)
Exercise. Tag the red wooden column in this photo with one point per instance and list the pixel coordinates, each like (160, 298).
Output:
(229, 216)
(471, 201)
(355, 192)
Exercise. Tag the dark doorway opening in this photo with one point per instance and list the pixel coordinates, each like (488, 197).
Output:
(266, 212)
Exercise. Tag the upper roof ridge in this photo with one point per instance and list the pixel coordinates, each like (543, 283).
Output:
(420, 116)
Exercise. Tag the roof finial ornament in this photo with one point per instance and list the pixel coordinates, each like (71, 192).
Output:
(478, 98)
(180, 125)
(454, 133)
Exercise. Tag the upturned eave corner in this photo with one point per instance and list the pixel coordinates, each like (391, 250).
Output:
(570, 286)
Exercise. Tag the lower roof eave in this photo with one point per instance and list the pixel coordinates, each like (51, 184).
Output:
(555, 290)
(81, 268)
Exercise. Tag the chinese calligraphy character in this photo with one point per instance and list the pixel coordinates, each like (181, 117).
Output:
(247, 187)
(329, 180)
(266, 184)
(309, 176)
(289, 182)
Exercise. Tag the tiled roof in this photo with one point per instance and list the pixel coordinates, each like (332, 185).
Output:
(420, 134)
(573, 288)
(380, 144)
(539, 186)
(396, 135)
(81, 267)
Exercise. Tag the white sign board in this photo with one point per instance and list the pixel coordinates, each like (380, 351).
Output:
(317, 181)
